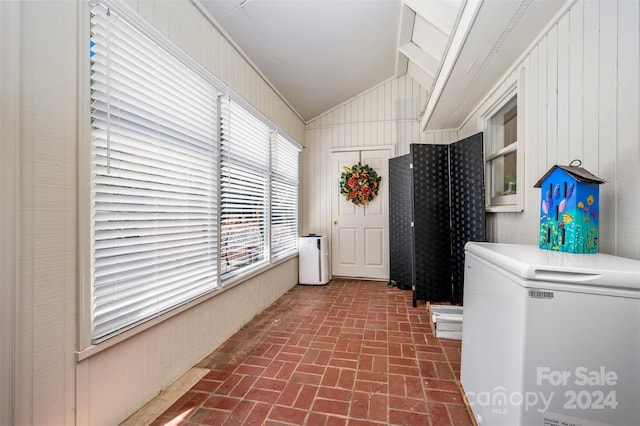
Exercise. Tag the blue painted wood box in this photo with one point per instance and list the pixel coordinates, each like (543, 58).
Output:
(569, 209)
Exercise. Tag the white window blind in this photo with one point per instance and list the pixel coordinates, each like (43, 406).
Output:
(284, 197)
(244, 188)
(154, 178)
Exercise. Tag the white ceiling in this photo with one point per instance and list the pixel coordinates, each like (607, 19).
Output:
(317, 53)
(320, 53)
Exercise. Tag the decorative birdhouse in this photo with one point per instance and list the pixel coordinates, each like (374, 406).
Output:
(569, 209)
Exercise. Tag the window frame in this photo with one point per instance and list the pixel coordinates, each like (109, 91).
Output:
(486, 123)
(85, 346)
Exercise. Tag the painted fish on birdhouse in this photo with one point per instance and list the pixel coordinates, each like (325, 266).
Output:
(569, 209)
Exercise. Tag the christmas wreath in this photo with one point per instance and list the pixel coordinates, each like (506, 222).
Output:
(359, 184)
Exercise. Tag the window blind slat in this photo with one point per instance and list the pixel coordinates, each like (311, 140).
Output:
(154, 178)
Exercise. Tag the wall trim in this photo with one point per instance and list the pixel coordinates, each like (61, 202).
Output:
(10, 206)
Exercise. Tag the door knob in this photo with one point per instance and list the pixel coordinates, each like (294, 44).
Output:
(335, 222)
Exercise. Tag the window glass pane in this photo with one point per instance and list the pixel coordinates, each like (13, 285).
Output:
(503, 127)
(503, 175)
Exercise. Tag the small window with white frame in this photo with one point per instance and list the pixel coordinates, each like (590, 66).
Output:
(503, 152)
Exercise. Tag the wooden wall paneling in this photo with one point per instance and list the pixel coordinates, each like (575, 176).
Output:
(552, 96)
(608, 120)
(627, 159)
(576, 86)
(563, 55)
(541, 100)
(590, 96)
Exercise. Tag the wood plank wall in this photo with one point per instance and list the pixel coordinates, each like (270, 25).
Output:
(581, 100)
(387, 114)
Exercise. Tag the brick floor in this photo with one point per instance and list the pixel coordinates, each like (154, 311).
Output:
(348, 353)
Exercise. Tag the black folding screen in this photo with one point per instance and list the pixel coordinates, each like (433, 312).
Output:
(400, 232)
(436, 205)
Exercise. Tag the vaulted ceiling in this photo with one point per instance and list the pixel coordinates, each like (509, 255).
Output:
(320, 53)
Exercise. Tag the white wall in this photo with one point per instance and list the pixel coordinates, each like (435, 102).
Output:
(387, 114)
(51, 387)
(581, 100)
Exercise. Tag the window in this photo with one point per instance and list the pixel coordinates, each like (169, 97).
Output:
(284, 197)
(501, 161)
(154, 189)
(188, 188)
(244, 188)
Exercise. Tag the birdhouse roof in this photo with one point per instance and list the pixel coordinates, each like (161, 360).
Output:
(578, 173)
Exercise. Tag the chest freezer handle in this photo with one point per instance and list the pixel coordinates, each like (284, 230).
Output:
(563, 276)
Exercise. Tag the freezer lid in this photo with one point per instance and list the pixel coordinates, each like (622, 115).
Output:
(532, 263)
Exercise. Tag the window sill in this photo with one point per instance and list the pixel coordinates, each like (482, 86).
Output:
(510, 208)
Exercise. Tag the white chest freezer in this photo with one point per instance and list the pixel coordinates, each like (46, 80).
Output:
(313, 260)
(550, 338)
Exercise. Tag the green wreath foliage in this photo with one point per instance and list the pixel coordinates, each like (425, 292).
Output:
(359, 184)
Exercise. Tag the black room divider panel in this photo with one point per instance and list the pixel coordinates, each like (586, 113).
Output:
(466, 165)
(439, 189)
(400, 232)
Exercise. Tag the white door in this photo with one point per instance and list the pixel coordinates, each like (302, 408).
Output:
(360, 233)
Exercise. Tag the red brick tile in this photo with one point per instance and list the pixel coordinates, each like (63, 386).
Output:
(240, 413)
(407, 418)
(404, 369)
(439, 414)
(371, 387)
(333, 393)
(396, 385)
(216, 375)
(287, 414)
(284, 356)
(334, 421)
(209, 417)
(262, 395)
(286, 371)
(414, 387)
(380, 364)
(291, 349)
(289, 394)
(408, 404)
(271, 384)
(306, 397)
(249, 370)
(359, 407)
(371, 376)
(273, 369)
(323, 357)
(459, 415)
(330, 377)
(221, 402)
(330, 406)
(347, 379)
(310, 369)
(306, 378)
(365, 362)
(257, 415)
(444, 371)
(344, 363)
(231, 382)
(444, 396)
(445, 385)
(316, 419)
(403, 361)
(207, 386)
(310, 356)
(189, 401)
(378, 407)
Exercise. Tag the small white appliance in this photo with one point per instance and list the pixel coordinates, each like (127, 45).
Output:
(550, 338)
(313, 260)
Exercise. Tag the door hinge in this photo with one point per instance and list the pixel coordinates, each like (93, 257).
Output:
(412, 224)
(411, 165)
